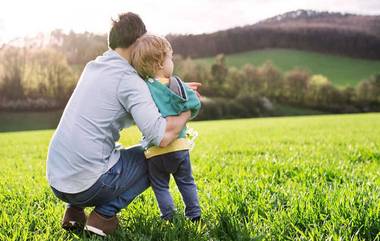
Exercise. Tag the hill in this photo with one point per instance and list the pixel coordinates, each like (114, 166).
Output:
(340, 70)
(325, 32)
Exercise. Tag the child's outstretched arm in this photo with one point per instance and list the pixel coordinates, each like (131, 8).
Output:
(192, 102)
(194, 86)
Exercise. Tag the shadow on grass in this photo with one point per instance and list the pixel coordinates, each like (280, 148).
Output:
(226, 227)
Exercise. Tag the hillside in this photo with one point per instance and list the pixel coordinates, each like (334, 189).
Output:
(314, 19)
(340, 70)
(325, 32)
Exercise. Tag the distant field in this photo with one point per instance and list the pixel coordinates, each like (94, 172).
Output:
(293, 178)
(19, 121)
(22, 121)
(340, 70)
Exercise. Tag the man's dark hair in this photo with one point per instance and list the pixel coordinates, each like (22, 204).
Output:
(125, 30)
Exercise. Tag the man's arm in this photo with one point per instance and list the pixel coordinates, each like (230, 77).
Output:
(174, 125)
(134, 95)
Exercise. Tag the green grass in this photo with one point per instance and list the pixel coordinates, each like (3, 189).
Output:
(340, 70)
(293, 178)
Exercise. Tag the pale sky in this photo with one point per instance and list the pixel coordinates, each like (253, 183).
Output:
(20, 18)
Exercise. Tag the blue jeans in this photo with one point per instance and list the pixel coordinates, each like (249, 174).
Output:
(178, 164)
(116, 188)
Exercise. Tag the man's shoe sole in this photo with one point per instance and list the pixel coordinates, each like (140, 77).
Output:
(72, 226)
(94, 230)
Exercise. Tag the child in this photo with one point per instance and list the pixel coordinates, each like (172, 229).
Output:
(152, 56)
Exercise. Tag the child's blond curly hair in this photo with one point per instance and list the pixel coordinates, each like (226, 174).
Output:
(148, 54)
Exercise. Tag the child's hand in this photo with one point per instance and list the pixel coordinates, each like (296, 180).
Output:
(191, 136)
(194, 86)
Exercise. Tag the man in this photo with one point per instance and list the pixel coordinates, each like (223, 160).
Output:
(83, 166)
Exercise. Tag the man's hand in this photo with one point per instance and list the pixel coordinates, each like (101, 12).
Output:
(194, 86)
(174, 125)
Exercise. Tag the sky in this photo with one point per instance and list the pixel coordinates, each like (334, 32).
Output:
(19, 18)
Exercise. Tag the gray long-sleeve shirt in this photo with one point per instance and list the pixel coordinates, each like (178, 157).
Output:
(109, 96)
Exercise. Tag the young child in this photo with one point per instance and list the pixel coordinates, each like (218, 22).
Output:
(152, 56)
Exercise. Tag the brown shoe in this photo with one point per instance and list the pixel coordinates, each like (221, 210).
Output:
(100, 225)
(74, 219)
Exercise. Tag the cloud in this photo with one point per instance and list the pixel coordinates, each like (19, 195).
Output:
(1, 30)
(162, 17)
(199, 16)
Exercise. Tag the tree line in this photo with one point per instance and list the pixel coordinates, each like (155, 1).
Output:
(252, 90)
(43, 78)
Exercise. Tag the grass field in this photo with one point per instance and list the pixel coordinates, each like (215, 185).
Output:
(340, 70)
(294, 178)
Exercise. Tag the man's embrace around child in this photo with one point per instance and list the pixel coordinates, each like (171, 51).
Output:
(152, 57)
(84, 167)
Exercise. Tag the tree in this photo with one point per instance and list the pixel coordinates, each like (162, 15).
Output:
(295, 85)
(219, 73)
(251, 84)
(190, 71)
(368, 93)
(51, 75)
(79, 48)
(234, 82)
(272, 78)
(12, 61)
(321, 93)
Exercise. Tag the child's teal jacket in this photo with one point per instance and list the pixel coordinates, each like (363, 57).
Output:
(174, 100)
